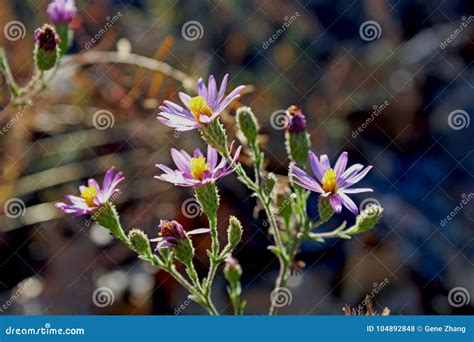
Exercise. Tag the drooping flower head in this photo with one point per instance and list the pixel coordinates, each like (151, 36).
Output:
(198, 111)
(93, 195)
(61, 11)
(171, 232)
(332, 183)
(46, 37)
(196, 170)
(295, 120)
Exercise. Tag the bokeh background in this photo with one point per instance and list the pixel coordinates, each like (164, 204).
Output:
(317, 55)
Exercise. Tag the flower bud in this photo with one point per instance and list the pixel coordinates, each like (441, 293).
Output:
(295, 120)
(215, 135)
(247, 123)
(232, 270)
(46, 48)
(107, 216)
(269, 183)
(184, 251)
(366, 220)
(208, 198)
(297, 139)
(139, 241)
(234, 232)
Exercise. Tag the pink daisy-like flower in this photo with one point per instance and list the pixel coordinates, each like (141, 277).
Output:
(93, 195)
(197, 170)
(200, 110)
(171, 232)
(332, 183)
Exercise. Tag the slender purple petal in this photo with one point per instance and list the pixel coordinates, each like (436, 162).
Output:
(348, 203)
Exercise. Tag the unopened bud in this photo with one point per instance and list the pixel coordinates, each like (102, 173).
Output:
(247, 123)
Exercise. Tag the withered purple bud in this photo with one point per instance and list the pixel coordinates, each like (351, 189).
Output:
(296, 122)
(46, 37)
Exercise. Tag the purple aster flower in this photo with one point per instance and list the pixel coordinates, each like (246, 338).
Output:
(46, 37)
(199, 110)
(197, 170)
(171, 232)
(61, 11)
(93, 195)
(332, 183)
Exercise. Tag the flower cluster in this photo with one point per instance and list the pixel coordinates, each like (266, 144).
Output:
(202, 172)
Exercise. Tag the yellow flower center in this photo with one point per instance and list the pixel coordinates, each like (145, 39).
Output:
(89, 194)
(198, 106)
(329, 181)
(198, 167)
